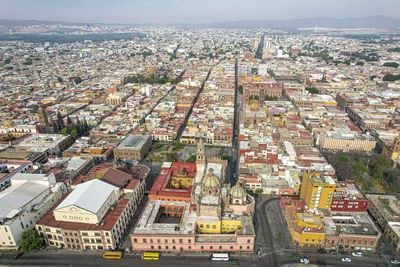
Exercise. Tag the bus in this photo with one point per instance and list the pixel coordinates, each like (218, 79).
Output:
(112, 255)
(151, 256)
(219, 257)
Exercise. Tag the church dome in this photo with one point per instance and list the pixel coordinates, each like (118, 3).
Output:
(210, 180)
(237, 191)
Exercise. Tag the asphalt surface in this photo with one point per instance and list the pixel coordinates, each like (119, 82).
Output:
(283, 259)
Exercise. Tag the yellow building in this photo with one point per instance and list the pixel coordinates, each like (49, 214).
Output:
(394, 151)
(317, 190)
(216, 226)
(305, 227)
(116, 98)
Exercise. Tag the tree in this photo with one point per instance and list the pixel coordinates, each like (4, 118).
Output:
(391, 64)
(77, 80)
(31, 241)
(74, 133)
(240, 89)
(312, 90)
(85, 125)
(226, 156)
(270, 98)
(259, 190)
(60, 121)
(191, 159)
(391, 78)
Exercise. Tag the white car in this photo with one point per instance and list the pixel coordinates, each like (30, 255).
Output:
(394, 261)
(346, 259)
(357, 254)
(305, 260)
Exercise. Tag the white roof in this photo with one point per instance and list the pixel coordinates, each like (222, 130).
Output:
(89, 196)
(14, 198)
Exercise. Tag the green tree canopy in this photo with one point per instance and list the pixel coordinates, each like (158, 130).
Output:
(312, 90)
(77, 80)
(391, 64)
(31, 241)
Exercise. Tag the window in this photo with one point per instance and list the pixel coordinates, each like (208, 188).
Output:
(84, 234)
(135, 240)
(166, 241)
(144, 240)
(214, 227)
(248, 241)
(180, 241)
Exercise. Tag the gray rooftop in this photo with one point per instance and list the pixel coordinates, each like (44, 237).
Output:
(17, 196)
(133, 141)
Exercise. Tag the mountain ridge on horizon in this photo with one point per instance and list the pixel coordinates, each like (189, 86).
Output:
(377, 21)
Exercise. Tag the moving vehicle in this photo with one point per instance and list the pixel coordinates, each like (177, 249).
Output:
(357, 254)
(394, 261)
(112, 255)
(219, 257)
(151, 256)
(18, 255)
(305, 260)
(346, 259)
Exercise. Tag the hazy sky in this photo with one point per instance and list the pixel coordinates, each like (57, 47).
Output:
(191, 11)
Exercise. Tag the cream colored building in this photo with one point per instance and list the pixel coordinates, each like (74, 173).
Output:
(95, 215)
(346, 141)
(23, 203)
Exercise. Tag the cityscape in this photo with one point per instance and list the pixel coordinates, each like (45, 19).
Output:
(166, 141)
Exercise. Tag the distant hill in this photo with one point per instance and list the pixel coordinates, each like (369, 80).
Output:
(12, 23)
(367, 22)
(324, 22)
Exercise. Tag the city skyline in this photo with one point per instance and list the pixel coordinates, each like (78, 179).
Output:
(190, 11)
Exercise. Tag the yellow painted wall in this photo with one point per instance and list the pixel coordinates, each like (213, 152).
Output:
(178, 182)
(218, 227)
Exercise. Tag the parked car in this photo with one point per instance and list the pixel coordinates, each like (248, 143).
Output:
(357, 254)
(346, 259)
(305, 260)
(18, 255)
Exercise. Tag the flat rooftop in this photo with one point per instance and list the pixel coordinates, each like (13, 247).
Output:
(134, 141)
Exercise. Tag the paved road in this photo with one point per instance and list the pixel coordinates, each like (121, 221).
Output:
(283, 259)
(233, 168)
(183, 126)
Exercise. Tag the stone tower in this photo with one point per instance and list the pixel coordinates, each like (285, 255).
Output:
(200, 154)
